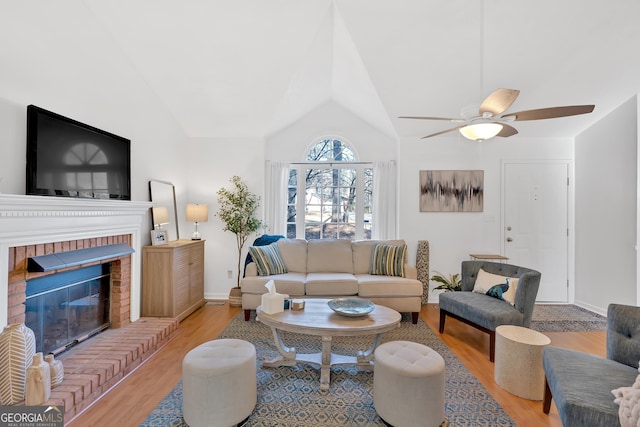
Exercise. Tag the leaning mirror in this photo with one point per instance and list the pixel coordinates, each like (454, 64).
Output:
(163, 194)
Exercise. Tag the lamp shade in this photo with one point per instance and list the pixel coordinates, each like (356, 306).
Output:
(481, 131)
(160, 215)
(197, 213)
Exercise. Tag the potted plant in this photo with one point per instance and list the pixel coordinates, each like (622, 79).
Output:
(449, 283)
(237, 211)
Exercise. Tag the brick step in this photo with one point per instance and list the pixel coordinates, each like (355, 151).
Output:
(92, 367)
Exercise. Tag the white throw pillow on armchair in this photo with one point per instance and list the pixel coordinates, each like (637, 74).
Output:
(486, 281)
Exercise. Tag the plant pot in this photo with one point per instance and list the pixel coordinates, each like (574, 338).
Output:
(235, 297)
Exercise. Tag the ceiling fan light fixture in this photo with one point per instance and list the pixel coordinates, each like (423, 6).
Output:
(481, 131)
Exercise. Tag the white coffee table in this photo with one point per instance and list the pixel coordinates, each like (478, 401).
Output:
(319, 320)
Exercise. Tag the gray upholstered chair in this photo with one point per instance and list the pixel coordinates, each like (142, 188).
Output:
(581, 383)
(484, 312)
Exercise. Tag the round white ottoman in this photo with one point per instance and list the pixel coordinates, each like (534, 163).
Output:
(408, 384)
(219, 383)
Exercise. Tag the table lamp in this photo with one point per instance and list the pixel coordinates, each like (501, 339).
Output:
(197, 213)
(160, 217)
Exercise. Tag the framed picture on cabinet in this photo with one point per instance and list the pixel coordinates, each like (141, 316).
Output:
(158, 237)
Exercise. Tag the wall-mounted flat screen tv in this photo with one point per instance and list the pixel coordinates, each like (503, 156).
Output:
(67, 158)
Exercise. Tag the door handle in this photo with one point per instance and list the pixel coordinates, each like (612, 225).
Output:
(509, 239)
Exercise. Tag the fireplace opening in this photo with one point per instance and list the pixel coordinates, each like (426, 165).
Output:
(66, 308)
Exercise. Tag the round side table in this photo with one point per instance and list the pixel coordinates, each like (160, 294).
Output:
(518, 361)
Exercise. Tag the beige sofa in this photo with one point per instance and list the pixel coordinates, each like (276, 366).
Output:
(334, 268)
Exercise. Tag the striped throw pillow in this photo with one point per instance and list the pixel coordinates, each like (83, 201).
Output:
(268, 259)
(388, 260)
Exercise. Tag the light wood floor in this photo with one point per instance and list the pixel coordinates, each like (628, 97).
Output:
(130, 402)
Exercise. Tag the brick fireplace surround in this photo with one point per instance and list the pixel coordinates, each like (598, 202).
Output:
(120, 275)
(32, 226)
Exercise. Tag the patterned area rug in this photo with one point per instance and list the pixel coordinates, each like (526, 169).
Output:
(290, 396)
(566, 318)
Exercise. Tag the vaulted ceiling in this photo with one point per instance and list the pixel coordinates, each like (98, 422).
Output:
(251, 67)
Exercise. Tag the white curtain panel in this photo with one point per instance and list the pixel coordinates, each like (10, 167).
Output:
(385, 194)
(276, 197)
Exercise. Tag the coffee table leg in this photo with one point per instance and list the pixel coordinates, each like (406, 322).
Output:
(365, 358)
(287, 354)
(325, 368)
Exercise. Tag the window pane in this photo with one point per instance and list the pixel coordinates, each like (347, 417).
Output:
(329, 150)
(332, 207)
(311, 231)
(291, 231)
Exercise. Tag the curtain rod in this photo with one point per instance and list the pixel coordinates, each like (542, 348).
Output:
(329, 163)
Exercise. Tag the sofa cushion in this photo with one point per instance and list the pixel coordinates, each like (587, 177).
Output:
(485, 281)
(291, 284)
(294, 254)
(480, 309)
(268, 259)
(388, 260)
(331, 284)
(329, 256)
(581, 386)
(362, 253)
(387, 286)
(623, 334)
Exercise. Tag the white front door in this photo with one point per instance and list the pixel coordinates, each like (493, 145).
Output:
(535, 221)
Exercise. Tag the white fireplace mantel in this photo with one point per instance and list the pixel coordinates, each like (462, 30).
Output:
(29, 220)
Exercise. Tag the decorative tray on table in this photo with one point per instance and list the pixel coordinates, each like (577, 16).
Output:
(351, 307)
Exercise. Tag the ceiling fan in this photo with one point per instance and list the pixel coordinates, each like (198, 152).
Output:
(491, 119)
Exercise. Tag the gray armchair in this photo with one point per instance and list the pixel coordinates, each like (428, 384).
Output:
(484, 312)
(581, 384)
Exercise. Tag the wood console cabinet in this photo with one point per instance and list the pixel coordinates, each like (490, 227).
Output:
(173, 279)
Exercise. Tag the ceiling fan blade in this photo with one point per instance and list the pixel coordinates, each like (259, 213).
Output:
(507, 131)
(551, 113)
(443, 131)
(498, 101)
(451, 119)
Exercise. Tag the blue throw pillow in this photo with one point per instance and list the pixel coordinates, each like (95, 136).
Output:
(496, 291)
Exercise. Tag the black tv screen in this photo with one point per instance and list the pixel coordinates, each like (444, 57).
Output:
(67, 158)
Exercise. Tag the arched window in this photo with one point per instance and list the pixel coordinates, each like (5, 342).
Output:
(82, 159)
(337, 193)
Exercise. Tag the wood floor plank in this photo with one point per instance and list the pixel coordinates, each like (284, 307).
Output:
(130, 402)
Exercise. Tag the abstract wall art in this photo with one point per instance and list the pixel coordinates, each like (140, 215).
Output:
(451, 191)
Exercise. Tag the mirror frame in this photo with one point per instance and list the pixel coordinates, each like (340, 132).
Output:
(165, 193)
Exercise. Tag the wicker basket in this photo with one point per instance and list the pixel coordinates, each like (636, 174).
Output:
(235, 297)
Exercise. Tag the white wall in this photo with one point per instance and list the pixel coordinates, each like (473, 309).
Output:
(606, 210)
(453, 236)
(79, 72)
(212, 163)
(330, 119)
